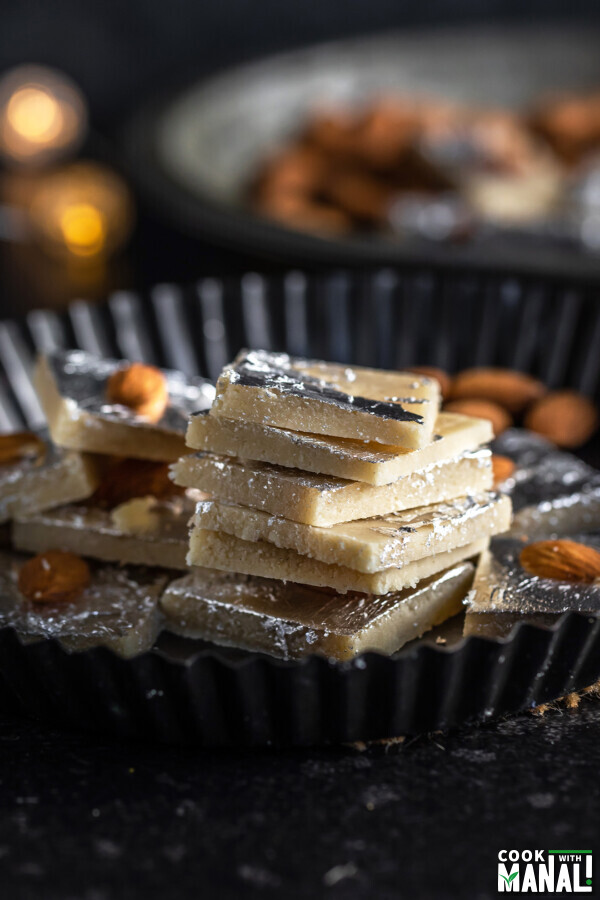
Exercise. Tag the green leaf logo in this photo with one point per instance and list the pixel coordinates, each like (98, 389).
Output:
(510, 877)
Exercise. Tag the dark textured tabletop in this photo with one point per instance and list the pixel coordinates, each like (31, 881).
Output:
(89, 819)
(86, 818)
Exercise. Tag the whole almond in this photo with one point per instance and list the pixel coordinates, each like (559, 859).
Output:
(53, 577)
(438, 374)
(482, 409)
(562, 560)
(20, 445)
(141, 388)
(511, 389)
(502, 467)
(297, 170)
(359, 194)
(125, 479)
(565, 417)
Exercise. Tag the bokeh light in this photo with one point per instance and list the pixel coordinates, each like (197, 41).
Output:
(43, 115)
(82, 211)
(35, 114)
(84, 229)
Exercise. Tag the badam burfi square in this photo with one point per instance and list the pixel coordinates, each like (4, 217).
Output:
(36, 475)
(342, 457)
(326, 500)
(394, 408)
(292, 621)
(72, 387)
(367, 545)
(217, 550)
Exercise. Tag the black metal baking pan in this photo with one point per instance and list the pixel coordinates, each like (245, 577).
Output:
(186, 691)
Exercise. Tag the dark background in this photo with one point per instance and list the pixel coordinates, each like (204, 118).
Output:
(86, 819)
(125, 53)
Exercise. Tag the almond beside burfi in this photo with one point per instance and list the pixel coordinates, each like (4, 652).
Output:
(35, 475)
(91, 406)
(81, 607)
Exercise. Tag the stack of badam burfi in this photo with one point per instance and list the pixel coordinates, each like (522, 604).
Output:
(344, 509)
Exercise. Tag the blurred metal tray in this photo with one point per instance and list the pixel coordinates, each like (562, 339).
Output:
(193, 151)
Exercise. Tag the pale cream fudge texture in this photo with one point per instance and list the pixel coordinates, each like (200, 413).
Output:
(119, 610)
(368, 545)
(41, 482)
(71, 386)
(292, 621)
(395, 408)
(354, 460)
(325, 500)
(142, 531)
(213, 549)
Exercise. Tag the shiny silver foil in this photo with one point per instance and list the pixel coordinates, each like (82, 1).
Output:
(119, 609)
(81, 378)
(553, 492)
(503, 586)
